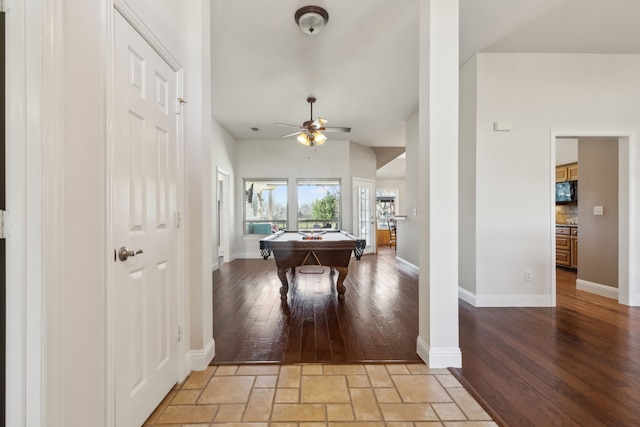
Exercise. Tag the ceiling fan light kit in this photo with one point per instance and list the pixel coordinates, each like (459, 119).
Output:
(311, 19)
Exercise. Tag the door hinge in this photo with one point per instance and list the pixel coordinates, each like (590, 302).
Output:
(179, 333)
(3, 224)
(177, 219)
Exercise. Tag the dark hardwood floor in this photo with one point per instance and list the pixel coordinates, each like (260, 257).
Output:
(377, 321)
(577, 364)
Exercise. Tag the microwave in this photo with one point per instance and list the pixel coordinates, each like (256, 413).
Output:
(566, 192)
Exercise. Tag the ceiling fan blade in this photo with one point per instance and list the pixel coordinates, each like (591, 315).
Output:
(291, 134)
(319, 123)
(337, 129)
(289, 126)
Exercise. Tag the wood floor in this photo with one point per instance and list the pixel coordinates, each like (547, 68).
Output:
(377, 321)
(577, 364)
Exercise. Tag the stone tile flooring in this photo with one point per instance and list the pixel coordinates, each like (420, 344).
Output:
(316, 395)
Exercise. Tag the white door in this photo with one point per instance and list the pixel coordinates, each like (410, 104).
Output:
(364, 217)
(144, 219)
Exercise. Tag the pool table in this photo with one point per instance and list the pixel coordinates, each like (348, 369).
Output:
(330, 248)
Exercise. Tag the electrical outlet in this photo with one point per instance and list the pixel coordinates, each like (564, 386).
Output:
(527, 275)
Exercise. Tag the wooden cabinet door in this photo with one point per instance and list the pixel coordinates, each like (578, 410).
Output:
(574, 251)
(563, 258)
(563, 242)
(561, 173)
(567, 172)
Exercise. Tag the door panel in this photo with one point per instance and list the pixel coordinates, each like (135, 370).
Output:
(144, 209)
(363, 203)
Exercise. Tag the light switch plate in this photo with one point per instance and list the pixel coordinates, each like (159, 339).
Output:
(598, 210)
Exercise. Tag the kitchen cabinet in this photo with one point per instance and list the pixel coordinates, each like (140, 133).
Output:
(383, 237)
(574, 247)
(567, 246)
(568, 172)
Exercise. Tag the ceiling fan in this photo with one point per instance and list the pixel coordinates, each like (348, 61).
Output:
(311, 131)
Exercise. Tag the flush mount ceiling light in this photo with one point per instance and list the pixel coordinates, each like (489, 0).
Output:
(311, 19)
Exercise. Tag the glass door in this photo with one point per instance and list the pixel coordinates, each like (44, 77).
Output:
(363, 212)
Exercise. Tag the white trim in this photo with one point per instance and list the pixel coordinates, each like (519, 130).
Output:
(198, 360)
(597, 288)
(439, 357)
(138, 24)
(513, 301)
(503, 300)
(19, 79)
(373, 245)
(467, 296)
(412, 268)
(628, 221)
(110, 295)
(53, 237)
(225, 220)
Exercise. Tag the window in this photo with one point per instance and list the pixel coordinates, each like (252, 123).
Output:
(265, 206)
(319, 204)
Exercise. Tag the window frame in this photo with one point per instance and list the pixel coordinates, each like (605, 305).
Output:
(276, 224)
(338, 220)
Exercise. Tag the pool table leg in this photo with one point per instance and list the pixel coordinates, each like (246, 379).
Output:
(342, 273)
(282, 275)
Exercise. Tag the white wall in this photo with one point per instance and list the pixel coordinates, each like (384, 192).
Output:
(467, 178)
(408, 230)
(194, 43)
(291, 160)
(362, 162)
(566, 150)
(537, 94)
(223, 154)
(84, 204)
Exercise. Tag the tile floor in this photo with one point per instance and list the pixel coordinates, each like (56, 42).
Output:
(316, 395)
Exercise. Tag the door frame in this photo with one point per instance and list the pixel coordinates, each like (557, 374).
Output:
(121, 7)
(372, 204)
(3, 207)
(223, 224)
(628, 223)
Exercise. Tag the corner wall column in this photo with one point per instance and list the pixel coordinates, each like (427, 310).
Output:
(438, 343)
(198, 195)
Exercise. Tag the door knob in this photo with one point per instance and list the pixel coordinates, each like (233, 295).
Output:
(125, 253)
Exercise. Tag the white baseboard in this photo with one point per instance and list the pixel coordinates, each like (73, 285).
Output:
(597, 288)
(439, 357)
(409, 266)
(198, 360)
(467, 296)
(249, 255)
(504, 300)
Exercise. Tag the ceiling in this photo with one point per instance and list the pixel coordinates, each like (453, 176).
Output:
(363, 67)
